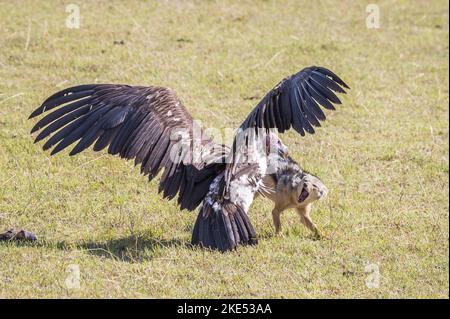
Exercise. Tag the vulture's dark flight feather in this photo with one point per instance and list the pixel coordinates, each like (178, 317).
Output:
(150, 125)
(294, 102)
(136, 123)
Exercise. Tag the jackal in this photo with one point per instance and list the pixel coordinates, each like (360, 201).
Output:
(291, 187)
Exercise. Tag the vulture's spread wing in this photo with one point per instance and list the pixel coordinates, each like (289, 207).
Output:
(149, 124)
(294, 102)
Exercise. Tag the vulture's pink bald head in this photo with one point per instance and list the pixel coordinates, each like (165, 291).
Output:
(274, 145)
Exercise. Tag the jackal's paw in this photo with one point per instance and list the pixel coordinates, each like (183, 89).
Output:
(279, 233)
(317, 235)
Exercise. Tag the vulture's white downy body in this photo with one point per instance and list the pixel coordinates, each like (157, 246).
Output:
(151, 125)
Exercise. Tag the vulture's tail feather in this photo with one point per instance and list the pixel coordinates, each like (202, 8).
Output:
(224, 228)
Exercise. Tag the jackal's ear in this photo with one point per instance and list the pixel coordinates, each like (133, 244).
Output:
(297, 181)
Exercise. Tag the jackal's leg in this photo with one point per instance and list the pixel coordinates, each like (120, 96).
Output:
(276, 219)
(306, 220)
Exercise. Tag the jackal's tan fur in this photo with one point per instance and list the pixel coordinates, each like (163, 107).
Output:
(293, 188)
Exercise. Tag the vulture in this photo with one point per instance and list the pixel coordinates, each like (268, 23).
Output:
(151, 125)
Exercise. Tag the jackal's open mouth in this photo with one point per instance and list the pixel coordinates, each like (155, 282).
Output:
(303, 195)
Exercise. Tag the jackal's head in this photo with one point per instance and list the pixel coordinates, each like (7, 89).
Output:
(309, 189)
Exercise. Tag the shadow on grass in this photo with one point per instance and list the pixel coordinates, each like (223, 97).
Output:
(294, 232)
(133, 248)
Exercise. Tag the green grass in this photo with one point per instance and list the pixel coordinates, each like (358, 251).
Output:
(384, 154)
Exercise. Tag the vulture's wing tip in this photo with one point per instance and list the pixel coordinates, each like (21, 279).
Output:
(55, 151)
(35, 129)
(34, 114)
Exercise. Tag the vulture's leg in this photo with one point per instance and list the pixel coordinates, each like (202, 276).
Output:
(306, 220)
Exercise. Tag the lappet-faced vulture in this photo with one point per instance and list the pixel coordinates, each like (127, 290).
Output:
(151, 125)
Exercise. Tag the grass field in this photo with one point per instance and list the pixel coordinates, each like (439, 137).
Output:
(384, 154)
